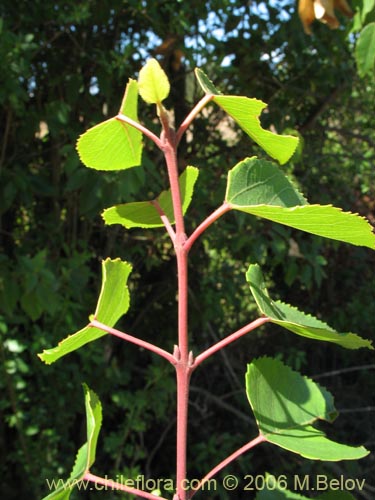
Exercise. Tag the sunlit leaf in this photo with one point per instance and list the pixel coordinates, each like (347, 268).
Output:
(153, 83)
(286, 405)
(260, 188)
(245, 112)
(113, 302)
(322, 220)
(86, 454)
(295, 320)
(145, 214)
(113, 144)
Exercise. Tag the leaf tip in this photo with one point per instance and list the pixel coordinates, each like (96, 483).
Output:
(44, 357)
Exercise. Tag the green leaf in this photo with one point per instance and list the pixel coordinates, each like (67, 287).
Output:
(368, 7)
(144, 213)
(94, 422)
(365, 51)
(153, 83)
(245, 112)
(312, 443)
(207, 86)
(254, 182)
(322, 220)
(297, 321)
(113, 144)
(259, 188)
(286, 404)
(113, 303)
(86, 454)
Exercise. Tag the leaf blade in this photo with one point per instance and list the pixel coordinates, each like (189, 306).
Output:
(296, 321)
(113, 302)
(86, 454)
(286, 404)
(144, 214)
(113, 144)
(245, 112)
(321, 220)
(254, 182)
(153, 83)
(365, 51)
(314, 445)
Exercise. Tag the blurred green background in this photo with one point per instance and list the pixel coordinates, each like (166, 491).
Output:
(64, 67)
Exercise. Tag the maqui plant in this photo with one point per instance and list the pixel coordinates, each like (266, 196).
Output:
(285, 404)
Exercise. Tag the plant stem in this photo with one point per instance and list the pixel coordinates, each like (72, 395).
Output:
(134, 340)
(116, 486)
(183, 359)
(168, 146)
(165, 220)
(141, 128)
(193, 113)
(225, 207)
(229, 339)
(259, 439)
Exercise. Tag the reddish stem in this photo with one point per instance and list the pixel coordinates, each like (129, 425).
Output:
(190, 117)
(141, 128)
(116, 486)
(183, 360)
(170, 154)
(134, 340)
(226, 461)
(165, 220)
(225, 207)
(229, 339)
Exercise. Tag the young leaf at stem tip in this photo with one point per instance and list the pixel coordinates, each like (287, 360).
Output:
(153, 83)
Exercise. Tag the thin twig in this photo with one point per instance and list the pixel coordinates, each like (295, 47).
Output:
(141, 128)
(116, 486)
(219, 402)
(165, 220)
(344, 370)
(251, 444)
(225, 207)
(134, 340)
(190, 117)
(229, 339)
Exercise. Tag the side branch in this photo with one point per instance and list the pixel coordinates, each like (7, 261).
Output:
(225, 207)
(193, 113)
(115, 486)
(228, 340)
(134, 340)
(165, 220)
(141, 128)
(228, 460)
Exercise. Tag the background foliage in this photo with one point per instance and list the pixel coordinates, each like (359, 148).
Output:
(63, 69)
